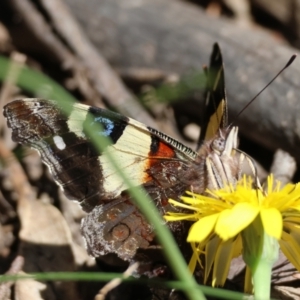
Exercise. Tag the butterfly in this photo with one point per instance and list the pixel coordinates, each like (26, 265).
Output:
(163, 166)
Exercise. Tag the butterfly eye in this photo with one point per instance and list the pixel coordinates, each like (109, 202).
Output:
(218, 145)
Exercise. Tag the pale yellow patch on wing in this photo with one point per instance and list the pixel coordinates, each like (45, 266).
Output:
(215, 121)
(131, 154)
(77, 118)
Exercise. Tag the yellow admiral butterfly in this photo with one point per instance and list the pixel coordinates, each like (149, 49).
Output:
(163, 166)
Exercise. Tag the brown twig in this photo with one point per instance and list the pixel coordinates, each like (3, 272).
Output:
(42, 37)
(115, 282)
(105, 79)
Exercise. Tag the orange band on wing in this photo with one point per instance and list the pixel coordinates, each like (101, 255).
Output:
(161, 150)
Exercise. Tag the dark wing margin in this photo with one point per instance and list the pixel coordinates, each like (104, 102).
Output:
(215, 107)
(62, 144)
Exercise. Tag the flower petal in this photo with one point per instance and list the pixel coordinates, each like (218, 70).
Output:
(248, 285)
(233, 221)
(223, 259)
(179, 217)
(272, 222)
(200, 230)
(195, 258)
(291, 249)
(180, 204)
(294, 230)
(210, 254)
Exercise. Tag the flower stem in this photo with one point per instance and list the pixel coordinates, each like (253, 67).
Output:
(262, 280)
(260, 252)
(263, 270)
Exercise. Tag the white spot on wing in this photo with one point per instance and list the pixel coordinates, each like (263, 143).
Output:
(59, 142)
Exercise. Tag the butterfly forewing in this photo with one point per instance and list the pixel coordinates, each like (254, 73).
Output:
(83, 172)
(215, 112)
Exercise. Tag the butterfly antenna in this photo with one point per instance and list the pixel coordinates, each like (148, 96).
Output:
(291, 60)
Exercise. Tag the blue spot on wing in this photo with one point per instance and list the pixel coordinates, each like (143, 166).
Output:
(113, 124)
(107, 125)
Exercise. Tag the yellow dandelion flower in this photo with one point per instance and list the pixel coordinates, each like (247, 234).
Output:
(242, 220)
